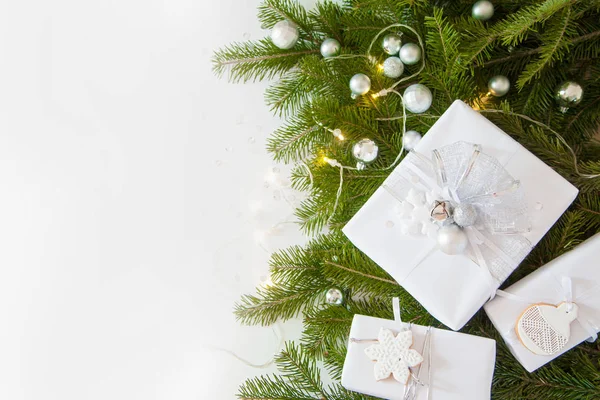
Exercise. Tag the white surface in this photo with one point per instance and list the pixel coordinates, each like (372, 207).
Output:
(544, 286)
(123, 243)
(453, 288)
(462, 365)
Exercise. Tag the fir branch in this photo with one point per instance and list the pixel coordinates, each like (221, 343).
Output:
(361, 273)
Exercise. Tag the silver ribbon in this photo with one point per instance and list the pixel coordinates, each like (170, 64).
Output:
(462, 174)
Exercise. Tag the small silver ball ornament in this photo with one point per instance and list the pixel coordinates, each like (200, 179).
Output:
(365, 151)
(498, 85)
(568, 94)
(393, 67)
(284, 34)
(410, 53)
(330, 48)
(452, 239)
(391, 44)
(483, 10)
(334, 297)
(410, 139)
(417, 98)
(359, 85)
(464, 215)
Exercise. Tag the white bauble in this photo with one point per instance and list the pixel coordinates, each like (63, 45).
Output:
(482, 10)
(365, 151)
(410, 139)
(498, 85)
(330, 48)
(285, 34)
(417, 98)
(391, 44)
(452, 239)
(568, 94)
(393, 67)
(410, 53)
(360, 84)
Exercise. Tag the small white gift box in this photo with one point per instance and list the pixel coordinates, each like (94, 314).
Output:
(458, 367)
(453, 287)
(579, 268)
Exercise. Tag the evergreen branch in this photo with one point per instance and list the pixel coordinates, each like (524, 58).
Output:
(556, 45)
(257, 60)
(361, 273)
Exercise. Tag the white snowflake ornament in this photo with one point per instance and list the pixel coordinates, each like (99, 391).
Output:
(393, 355)
(415, 214)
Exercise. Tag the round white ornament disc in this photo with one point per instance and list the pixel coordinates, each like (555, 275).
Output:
(545, 329)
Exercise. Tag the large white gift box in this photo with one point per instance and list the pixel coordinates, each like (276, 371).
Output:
(461, 365)
(453, 287)
(579, 268)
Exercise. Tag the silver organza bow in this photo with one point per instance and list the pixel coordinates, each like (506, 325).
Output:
(469, 204)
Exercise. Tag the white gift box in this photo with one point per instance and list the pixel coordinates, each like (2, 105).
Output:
(544, 285)
(462, 366)
(453, 287)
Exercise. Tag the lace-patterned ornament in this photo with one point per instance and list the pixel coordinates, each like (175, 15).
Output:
(393, 355)
(545, 329)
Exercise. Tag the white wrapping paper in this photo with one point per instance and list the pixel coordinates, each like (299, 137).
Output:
(453, 287)
(581, 265)
(462, 365)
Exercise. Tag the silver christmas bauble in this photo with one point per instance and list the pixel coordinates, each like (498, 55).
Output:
(417, 98)
(464, 215)
(365, 151)
(483, 10)
(452, 239)
(334, 297)
(410, 139)
(330, 48)
(568, 94)
(360, 84)
(410, 53)
(284, 34)
(393, 67)
(391, 44)
(498, 85)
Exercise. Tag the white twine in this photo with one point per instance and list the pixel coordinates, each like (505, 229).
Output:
(278, 334)
(558, 136)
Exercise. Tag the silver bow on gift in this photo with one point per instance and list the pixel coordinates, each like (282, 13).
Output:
(468, 202)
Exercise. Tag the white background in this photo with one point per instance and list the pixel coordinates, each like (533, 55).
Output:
(135, 187)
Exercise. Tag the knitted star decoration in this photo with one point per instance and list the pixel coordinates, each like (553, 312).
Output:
(393, 355)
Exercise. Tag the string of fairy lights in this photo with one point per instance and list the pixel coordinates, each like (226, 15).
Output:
(416, 98)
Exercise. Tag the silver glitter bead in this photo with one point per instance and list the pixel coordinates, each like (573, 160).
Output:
(410, 53)
(568, 94)
(393, 67)
(498, 85)
(464, 215)
(417, 98)
(330, 48)
(392, 43)
(410, 139)
(284, 34)
(334, 297)
(483, 10)
(360, 84)
(365, 151)
(452, 239)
